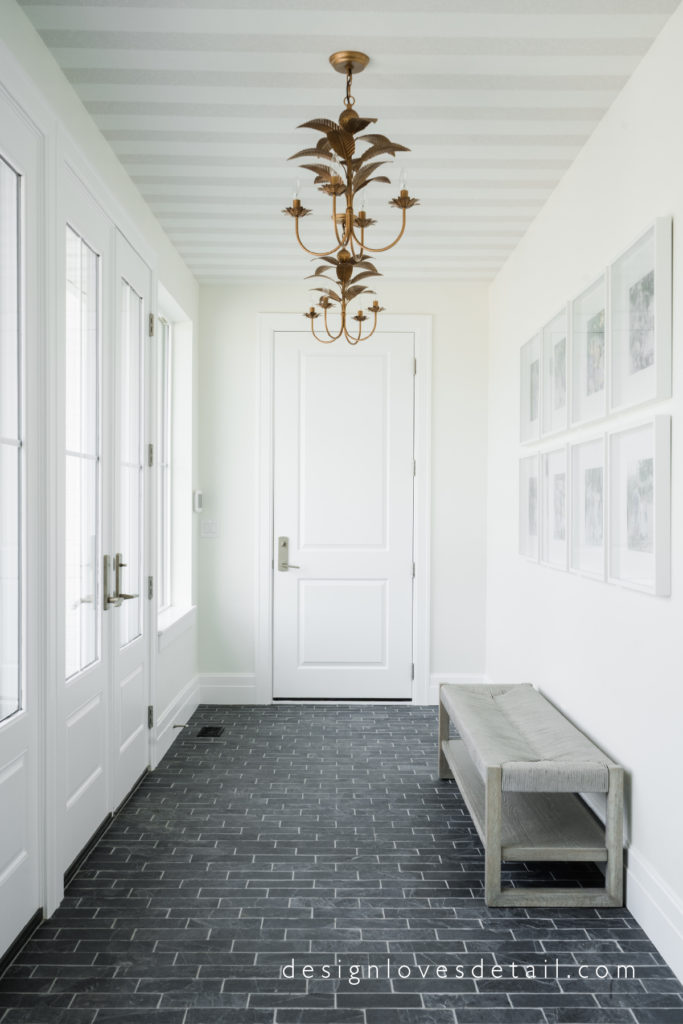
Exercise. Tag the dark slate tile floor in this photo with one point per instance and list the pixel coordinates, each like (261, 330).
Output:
(317, 839)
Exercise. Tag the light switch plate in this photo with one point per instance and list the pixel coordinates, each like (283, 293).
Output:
(208, 528)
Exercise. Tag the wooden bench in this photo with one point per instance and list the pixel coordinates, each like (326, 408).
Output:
(519, 764)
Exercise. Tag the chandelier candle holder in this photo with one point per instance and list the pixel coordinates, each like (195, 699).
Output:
(344, 171)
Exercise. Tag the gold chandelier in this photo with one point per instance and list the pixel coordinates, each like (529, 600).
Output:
(343, 171)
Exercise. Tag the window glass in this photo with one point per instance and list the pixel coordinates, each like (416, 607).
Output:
(10, 441)
(82, 454)
(130, 458)
(165, 404)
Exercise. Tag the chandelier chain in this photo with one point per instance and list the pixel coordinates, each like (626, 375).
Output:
(350, 100)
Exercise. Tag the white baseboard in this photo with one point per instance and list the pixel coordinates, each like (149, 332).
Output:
(657, 909)
(178, 712)
(437, 678)
(229, 688)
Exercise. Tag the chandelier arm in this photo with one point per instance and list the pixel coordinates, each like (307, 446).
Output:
(392, 244)
(329, 332)
(334, 220)
(318, 255)
(370, 334)
(323, 341)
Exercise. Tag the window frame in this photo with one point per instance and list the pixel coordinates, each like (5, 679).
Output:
(176, 450)
(165, 467)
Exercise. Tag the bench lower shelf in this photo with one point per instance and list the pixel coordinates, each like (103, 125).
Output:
(535, 826)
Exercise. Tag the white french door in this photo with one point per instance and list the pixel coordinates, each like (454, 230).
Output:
(129, 621)
(105, 696)
(21, 662)
(343, 517)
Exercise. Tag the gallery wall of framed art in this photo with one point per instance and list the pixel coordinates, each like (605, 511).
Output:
(598, 501)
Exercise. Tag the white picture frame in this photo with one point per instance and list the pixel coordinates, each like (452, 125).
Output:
(639, 504)
(529, 507)
(555, 366)
(554, 508)
(588, 507)
(589, 354)
(640, 320)
(530, 390)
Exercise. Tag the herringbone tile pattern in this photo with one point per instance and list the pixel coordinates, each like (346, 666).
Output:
(309, 867)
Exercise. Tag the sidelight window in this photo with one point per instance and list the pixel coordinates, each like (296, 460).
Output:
(10, 441)
(82, 453)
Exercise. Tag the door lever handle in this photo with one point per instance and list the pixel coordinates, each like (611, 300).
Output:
(283, 554)
(127, 597)
(110, 600)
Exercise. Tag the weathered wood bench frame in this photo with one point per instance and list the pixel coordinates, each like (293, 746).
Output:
(545, 824)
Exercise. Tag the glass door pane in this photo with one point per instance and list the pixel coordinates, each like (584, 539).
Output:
(10, 441)
(130, 355)
(82, 541)
(165, 405)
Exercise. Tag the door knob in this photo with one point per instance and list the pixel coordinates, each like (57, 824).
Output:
(283, 554)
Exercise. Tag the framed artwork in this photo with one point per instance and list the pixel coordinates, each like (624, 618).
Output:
(589, 354)
(554, 501)
(529, 507)
(530, 390)
(588, 508)
(640, 506)
(640, 320)
(555, 391)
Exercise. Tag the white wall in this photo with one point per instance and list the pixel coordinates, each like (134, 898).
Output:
(613, 659)
(229, 389)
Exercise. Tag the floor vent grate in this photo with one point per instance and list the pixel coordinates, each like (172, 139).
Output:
(210, 730)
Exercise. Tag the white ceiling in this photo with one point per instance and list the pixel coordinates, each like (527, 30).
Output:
(200, 100)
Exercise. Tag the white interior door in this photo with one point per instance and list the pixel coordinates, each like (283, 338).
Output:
(20, 658)
(105, 695)
(130, 620)
(343, 498)
(86, 699)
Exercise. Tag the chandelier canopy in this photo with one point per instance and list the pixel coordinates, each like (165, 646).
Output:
(346, 162)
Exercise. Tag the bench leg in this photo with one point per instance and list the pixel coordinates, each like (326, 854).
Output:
(444, 770)
(614, 837)
(492, 831)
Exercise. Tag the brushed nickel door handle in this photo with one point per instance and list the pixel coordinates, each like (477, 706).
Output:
(283, 554)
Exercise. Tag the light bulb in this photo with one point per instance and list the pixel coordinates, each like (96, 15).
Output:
(362, 202)
(297, 188)
(403, 179)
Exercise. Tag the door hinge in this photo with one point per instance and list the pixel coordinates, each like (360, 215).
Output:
(151, 325)
(150, 588)
(415, 367)
(150, 716)
(150, 454)
(413, 570)
(412, 671)
(414, 467)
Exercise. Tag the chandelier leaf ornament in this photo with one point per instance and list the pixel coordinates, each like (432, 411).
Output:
(343, 163)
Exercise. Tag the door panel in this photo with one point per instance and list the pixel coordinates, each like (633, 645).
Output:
(20, 639)
(107, 298)
(130, 662)
(85, 701)
(343, 496)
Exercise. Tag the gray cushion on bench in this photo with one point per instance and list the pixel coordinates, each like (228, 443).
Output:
(539, 750)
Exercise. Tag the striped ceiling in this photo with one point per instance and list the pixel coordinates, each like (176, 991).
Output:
(200, 101)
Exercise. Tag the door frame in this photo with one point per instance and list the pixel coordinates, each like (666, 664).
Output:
(420, 326)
